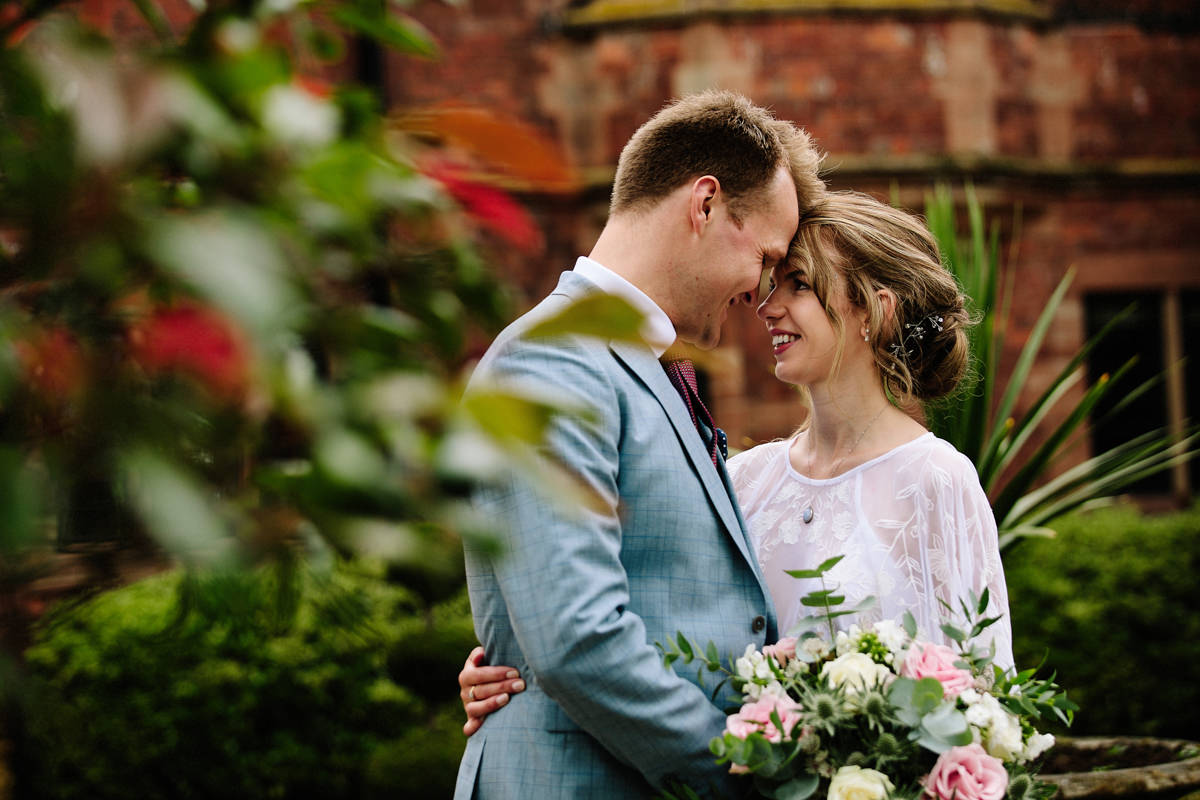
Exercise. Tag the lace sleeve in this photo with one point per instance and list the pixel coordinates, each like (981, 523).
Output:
(966, 549)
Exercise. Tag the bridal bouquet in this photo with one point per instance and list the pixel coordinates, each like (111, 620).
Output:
(867, 714)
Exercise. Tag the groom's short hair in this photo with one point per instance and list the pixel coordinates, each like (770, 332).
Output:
(716, 133)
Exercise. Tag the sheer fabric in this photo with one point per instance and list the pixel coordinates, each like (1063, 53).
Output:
(914, 524)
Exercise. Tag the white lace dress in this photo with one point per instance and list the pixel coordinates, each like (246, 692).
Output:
(914, 524)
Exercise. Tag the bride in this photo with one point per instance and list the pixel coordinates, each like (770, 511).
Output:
(865, 321)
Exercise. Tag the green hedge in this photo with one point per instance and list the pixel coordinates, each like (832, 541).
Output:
(1115, 599)
(331, 686)
(342, 685)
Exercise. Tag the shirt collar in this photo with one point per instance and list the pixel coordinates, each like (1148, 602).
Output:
(657, 328)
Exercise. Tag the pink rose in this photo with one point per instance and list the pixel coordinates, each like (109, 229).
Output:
(967, 773)
(782, 650)
(756, 717)
(925, 660)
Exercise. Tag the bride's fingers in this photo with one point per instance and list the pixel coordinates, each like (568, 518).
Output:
(476, 711)
(473, 694)
(479, 677)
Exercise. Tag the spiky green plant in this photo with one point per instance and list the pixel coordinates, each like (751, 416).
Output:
(1016, 471)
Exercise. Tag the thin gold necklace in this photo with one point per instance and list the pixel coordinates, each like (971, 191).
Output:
(807, 514)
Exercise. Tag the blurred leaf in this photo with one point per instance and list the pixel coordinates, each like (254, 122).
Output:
(604, 316)
(349, 460)
(234, 260)
(515, 147)
(510, 417)
(403, 33)
(177, 508)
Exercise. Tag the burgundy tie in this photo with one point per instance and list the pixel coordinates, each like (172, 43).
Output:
(683, 377)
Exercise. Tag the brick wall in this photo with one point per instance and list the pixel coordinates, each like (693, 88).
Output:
(1088, 121)
(1086, 115)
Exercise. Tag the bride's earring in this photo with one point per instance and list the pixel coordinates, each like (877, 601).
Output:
(866, 334)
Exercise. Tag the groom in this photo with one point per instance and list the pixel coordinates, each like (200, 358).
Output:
(705, 199)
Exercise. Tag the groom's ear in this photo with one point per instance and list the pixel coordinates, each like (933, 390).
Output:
(704, 195)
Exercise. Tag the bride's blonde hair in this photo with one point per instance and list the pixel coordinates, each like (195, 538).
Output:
(852, 239)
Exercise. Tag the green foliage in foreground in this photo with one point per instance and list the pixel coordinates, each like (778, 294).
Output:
(1115, 600)
(337, 686)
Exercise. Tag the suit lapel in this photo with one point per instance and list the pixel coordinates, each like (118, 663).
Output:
(641, 361)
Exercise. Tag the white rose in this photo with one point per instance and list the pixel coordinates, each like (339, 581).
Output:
(745, 664)
(847, 641)
(1038, 743)
(969, 696)
(856, 672)
(979, 715)
(892, 635)
(856, 783)
(1004, 737)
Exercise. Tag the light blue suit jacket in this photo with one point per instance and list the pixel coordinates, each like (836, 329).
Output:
(577, 598)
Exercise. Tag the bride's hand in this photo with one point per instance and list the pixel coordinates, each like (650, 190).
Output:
(485, 689)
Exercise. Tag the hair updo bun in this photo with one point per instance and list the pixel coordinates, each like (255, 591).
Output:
(921, 349)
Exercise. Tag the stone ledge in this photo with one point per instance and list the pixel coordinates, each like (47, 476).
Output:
(953, 168)
(1168, 779)
(601, 13)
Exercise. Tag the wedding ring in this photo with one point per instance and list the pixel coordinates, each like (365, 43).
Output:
(471, 694)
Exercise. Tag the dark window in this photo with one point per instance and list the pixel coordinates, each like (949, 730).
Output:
(1139, 335)
(1190, 306)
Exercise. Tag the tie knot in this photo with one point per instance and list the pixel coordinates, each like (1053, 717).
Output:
(682, 374)
(684, 370)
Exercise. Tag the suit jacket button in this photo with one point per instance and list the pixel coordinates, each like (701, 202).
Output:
(759, 624)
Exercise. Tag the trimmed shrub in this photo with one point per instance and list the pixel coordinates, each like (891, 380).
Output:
(246, 685)
(1115, 599)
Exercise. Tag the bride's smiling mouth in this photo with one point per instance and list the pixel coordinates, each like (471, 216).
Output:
(782, 340)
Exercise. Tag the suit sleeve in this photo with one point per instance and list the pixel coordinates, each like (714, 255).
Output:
(567, 592)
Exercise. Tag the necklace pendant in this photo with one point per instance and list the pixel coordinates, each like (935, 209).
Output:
(807, 515)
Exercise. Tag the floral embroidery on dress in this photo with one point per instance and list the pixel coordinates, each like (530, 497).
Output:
(914, 524)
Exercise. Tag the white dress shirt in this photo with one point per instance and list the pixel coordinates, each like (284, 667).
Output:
(657, 328)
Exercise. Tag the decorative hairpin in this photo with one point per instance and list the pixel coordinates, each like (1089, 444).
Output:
(914, 335)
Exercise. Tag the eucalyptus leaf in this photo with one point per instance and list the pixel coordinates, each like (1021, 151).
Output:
(829, 563)
(913, 699)
(685, 647)
(943, 728)
(798, 788)
(822, 600)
